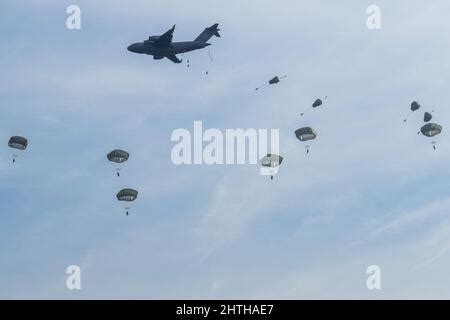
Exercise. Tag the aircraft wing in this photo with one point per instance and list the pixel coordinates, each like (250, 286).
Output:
(165, 39)
(174, 59)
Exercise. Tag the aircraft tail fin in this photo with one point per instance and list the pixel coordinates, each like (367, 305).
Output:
(208, 33)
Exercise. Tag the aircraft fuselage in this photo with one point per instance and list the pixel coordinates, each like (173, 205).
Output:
(173, 49)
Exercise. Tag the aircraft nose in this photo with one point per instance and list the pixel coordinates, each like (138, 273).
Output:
(131, 48)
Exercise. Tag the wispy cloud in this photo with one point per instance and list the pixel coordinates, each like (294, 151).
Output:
(371, 189)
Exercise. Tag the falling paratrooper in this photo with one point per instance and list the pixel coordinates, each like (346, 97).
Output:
(127, 195)
(271, 161)
(430, 130)
(272, 81)
(317, 103)
(306, 134)
(19, 143)
(118, 156)
(414, 107)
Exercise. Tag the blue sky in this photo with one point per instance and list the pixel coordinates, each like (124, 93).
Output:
(371, 191)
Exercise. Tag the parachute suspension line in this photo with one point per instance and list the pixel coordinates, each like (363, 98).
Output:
(210, 60)
(210, 56)
(261, 86)
(404, 120)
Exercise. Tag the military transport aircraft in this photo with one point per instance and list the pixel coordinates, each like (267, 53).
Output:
(162, 46)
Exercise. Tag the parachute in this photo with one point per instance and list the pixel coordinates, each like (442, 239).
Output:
(306, 134)
(427, 117)
(19, 143)
(431, 129)
(118, 156)
(271, 161)
(127, 195)
(414, 107)
(316, 103)
(274, 80)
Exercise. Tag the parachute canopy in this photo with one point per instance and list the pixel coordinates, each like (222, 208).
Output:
(427, 117)
(305, 134)
(127, 195)
(274, 80)
(118, 156)
(431, 129)
(17, 142)
(271, 160)
(317, 103)
(415, 106)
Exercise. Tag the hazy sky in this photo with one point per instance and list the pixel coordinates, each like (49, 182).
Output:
(371, 191)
